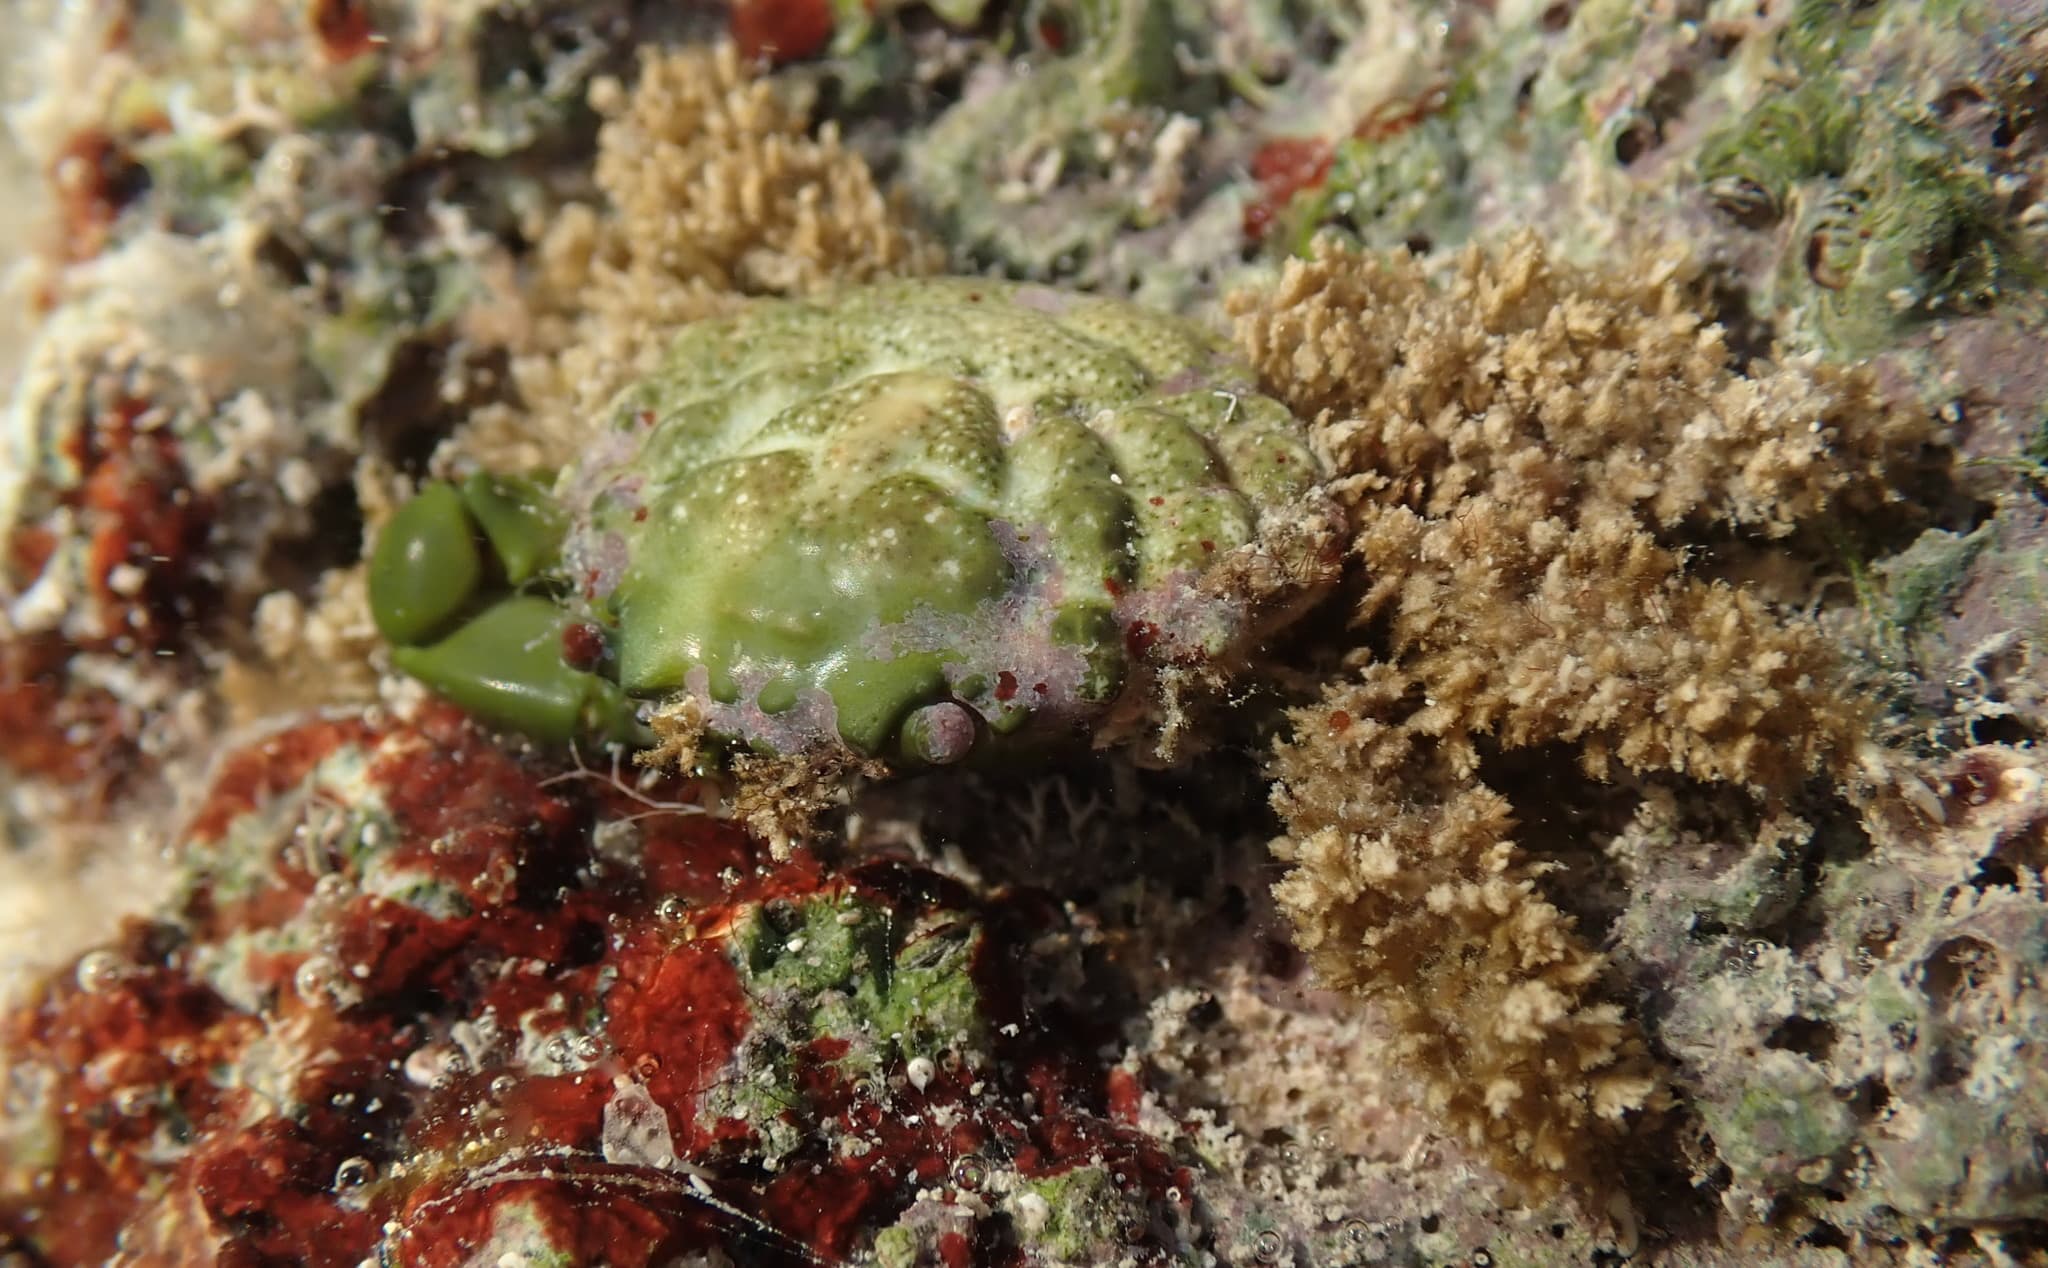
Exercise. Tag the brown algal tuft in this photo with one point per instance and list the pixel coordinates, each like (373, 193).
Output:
(716, 188)
(1519, 446)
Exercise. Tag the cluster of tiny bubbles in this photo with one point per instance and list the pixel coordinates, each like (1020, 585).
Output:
(1268, 1247)
(567, 1047)
(100, 971)
(1752, 953)
(354, 1173)
(435, 1064)
(970, 1172)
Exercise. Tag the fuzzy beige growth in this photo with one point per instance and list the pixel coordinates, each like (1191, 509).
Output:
(1555, 389)
(1416, 896)
(716, 189)
(1518, 447)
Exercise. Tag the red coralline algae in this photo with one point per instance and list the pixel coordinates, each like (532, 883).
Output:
(77, 738)
(94, 176)
(1286, 166)
(344, 28)
(781, 31)
(128, 532)
(142, 525)
(1283, 167)
(424, 998)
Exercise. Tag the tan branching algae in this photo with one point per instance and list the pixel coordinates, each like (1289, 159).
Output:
(715, 188)
(1518, 449)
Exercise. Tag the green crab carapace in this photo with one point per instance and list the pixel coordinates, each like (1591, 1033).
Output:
(910, 519)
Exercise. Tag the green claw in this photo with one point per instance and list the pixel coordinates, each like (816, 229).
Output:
(519, 519)
(426, 566)
(505, 666)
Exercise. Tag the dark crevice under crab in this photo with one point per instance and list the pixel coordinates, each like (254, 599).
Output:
(920, 521)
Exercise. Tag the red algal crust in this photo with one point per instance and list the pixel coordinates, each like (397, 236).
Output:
(345, 1099)
(139, 508)
(94, 177)
(343, 28)
(77, 738)
(1283, 167)
(1286, 166)
(134, 506)
(781, 31)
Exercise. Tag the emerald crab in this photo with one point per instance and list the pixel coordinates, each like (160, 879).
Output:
(922, 521)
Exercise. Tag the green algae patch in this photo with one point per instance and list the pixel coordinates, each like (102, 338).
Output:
(840, 983)
(1079, 1216)
(878, 990)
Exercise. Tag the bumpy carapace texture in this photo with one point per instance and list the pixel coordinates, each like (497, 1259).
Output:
(925, 516)
(1520, 446)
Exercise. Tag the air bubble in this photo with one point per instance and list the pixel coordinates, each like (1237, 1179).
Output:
(1268, 1247)
(354, 1173)
(672, 909)
(970, 1173)
(314, 980)
(100, 971)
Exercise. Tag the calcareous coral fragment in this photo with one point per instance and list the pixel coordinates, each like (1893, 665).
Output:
(912, 517)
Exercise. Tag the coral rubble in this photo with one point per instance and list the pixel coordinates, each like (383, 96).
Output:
(1660, 871)
(418, 1001)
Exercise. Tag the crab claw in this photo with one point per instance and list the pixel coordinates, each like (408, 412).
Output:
(426, 568)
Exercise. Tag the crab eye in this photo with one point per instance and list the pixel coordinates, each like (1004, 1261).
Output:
(940, 734)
